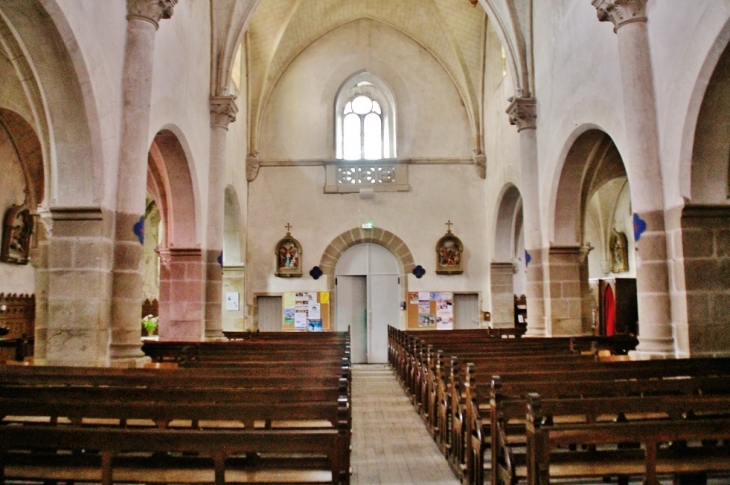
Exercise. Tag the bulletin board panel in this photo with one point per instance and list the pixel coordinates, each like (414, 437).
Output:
(434, 313)
(306, 312)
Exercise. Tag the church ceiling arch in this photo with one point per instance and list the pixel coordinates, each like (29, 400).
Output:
(56, 82)
(450, 30)
(230, 19)
(513, 22)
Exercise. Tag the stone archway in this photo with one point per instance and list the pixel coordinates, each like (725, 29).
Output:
(702, 267)
(505, 263)
(170, 184)
(592, 180)
(381, 237)
(354, 236)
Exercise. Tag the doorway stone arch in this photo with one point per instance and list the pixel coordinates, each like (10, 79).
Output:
(381, 237)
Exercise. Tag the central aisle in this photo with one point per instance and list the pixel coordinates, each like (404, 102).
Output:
(390, 444)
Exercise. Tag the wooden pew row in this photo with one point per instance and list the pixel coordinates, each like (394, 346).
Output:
(406, 358)
(486, 424)
(455, 451)
(507, 412)
(671, 444)
(212, 464)
(169, 394)
(299, 336)
(242, 350)
(168, 378)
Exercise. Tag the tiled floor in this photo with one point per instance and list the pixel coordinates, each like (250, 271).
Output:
(390, 444)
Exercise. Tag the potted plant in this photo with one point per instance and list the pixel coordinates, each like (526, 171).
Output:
(150, 324)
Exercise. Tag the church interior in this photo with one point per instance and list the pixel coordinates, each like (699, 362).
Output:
(188, 170)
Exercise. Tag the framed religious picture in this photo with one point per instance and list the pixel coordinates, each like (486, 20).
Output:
(288, 256)
(619, 245)
(17, 230)
(449, 254)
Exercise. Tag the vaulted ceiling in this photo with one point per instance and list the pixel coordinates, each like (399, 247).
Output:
(451, 30)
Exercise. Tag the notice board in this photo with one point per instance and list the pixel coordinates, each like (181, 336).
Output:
(430, 310)
(306, 311)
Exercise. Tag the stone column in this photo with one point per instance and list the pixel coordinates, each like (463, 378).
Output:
(223, 111)
(503, 295)
(522, 113)
(75, 328)
(644, 169)
(142, 23)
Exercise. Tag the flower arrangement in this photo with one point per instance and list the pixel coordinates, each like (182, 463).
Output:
(150, 324)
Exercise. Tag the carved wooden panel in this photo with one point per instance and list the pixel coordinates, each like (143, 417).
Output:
(17, 313)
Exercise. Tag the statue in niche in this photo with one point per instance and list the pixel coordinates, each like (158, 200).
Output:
(619, 252)
(449, 252)
(17, 230)
(288, 256)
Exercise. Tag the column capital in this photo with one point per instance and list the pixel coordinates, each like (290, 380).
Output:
(150, 10)
(620, 12)
(522, 112)
(223, 111)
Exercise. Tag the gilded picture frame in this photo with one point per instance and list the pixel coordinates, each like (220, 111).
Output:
(288, 257)
(449, 255)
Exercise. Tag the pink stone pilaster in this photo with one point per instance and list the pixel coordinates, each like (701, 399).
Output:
(181, 294)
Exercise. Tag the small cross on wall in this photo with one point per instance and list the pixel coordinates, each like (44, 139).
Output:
(288, 228)
(449, 224)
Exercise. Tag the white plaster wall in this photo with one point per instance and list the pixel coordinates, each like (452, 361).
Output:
(294, 195)
(237, 149)
(298, 118)
(578, 86)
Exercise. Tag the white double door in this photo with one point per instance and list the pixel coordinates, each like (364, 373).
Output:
(367, 295)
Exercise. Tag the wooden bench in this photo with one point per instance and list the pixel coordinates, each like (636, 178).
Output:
(670, 442)
(438, 382)
(278, 421)
(492, 425)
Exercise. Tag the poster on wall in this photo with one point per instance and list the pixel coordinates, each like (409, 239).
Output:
(444, 311)
(300, 320)
(431, 310)
(305, 311)
(289, 316)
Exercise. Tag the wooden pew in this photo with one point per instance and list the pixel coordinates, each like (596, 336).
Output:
(216, 447)
(492, 425)
(659, 437)
(237, 416)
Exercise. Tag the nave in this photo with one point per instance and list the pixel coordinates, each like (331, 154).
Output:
(390, 445)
